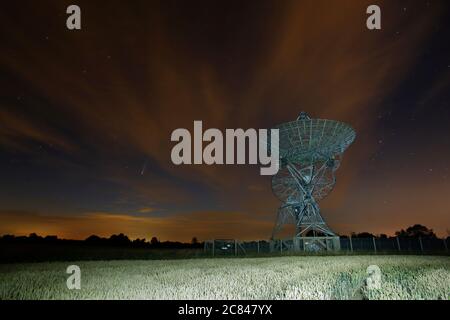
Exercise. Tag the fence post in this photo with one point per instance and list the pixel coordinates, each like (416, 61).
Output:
(213, 246)
(445, 244)
(421, 245)
(296, 244)
(351, 244)
(235, 247)
(374, 245)
(258, 246)
(281, 246)
(398, 244)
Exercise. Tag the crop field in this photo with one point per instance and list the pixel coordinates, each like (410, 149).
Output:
(316, 277)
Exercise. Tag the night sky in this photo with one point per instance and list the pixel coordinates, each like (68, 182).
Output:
(86, 116)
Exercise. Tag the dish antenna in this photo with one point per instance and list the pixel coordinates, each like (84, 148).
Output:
(310, 153)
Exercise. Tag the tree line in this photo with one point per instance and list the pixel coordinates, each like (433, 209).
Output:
(415, 231)
(116, 240)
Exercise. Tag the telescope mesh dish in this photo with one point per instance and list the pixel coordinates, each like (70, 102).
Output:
(309, 140)
(310, 152)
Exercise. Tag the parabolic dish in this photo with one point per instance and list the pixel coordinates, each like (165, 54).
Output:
(310, 152)
(310, 140)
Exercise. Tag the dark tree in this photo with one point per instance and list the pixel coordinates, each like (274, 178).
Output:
(93, 239)
(154, 241)
(416, 231)
(34, 237)
(51, 238)
(194, 241)
(139, 242)
(119, 239)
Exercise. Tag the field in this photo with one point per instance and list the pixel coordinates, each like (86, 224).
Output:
(315, 277)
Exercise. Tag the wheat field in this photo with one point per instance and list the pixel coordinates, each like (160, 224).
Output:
(314, 277)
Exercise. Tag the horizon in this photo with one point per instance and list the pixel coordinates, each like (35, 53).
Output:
(148, 239)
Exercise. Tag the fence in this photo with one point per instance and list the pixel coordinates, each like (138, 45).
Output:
(234, 247)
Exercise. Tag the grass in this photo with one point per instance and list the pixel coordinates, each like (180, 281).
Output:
(315, 277)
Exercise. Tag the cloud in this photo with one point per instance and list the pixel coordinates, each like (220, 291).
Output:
(121, 89)
(146, 210)
(18, 131)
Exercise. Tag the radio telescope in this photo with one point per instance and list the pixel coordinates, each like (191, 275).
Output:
(310, 153)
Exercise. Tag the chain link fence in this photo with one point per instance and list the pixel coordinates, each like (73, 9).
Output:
(397, 245)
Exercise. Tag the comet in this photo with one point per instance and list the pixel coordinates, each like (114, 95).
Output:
(143, 168)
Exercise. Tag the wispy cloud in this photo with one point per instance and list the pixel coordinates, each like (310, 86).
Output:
(121, 104)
